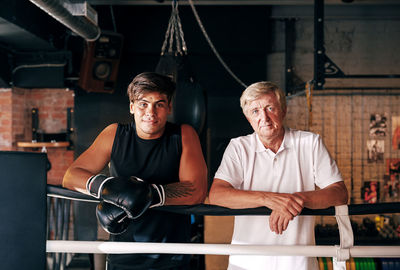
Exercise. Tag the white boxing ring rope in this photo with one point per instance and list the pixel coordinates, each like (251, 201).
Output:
(339, 253)
(104, 247)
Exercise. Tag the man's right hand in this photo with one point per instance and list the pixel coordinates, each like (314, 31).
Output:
(284, 208)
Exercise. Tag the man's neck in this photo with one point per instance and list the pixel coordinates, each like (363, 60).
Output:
(149, 136)
(274, 143)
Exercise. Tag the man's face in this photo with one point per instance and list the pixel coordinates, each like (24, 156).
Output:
(265, 116)
(150, 111)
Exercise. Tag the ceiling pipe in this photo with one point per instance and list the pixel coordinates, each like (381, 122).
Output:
(84, 25)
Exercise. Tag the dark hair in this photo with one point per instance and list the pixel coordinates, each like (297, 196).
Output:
(147, 82)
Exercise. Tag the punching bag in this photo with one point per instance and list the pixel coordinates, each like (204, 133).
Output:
(189, 105)
(189, 101)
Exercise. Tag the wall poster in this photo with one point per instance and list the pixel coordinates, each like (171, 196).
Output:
(391, 187)
(370, 192)
(396, 132)
(375, 150)
(378, 125)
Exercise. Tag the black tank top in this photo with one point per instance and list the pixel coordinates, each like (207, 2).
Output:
(155, 161)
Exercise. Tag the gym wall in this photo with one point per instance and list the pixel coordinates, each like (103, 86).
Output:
(343, 119)
(16, 123)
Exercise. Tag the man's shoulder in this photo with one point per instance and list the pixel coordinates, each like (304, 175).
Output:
(110, 129)
(244, 141)
(302, 134)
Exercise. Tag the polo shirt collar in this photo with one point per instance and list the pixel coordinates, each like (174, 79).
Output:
(285, 143)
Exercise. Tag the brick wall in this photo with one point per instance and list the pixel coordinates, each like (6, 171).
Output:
(5, 119)
(52, 105)
(21, 122)
(16, 123)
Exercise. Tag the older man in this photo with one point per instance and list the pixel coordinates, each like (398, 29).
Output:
(279, 168)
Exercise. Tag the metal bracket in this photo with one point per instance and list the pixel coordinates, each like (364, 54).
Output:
(324, 67)
(82, 9)
(43, 137)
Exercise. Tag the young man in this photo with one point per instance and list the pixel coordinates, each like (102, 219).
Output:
(152, 162)
(278, 168)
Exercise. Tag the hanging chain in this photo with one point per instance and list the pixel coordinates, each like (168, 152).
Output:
(174, 29)
(167, 34)
(179, 25)
(174, 34)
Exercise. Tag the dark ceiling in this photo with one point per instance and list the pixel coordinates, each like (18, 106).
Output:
(24, 27)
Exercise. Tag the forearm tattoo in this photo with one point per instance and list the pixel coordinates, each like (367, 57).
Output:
(179, 190)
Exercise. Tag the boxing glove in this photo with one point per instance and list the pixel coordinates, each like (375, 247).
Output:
(112, 219)
(132, 194)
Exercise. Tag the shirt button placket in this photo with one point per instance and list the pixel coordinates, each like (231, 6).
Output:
(274, 166)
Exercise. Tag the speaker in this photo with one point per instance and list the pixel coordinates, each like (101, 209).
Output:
(100, 61)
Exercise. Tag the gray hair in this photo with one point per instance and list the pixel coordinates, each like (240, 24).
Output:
(258, 89)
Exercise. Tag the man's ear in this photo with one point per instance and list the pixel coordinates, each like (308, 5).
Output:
(131, 107)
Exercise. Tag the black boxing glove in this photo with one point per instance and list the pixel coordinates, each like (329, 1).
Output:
(112, 219)
(132, 194)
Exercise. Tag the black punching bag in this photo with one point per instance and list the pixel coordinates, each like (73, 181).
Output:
(189, 102)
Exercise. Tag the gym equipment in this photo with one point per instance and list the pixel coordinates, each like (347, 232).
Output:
(189, 102)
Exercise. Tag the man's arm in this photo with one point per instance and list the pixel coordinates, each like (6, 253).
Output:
(90, 162)
(192, 185)
(224, 194)
(332, 195)
(284, 206)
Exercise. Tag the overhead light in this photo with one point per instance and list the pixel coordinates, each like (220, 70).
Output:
(81, 18)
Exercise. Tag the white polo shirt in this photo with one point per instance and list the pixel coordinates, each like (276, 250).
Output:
(301, 163)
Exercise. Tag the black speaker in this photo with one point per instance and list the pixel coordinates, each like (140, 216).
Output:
(100, 62)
